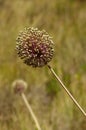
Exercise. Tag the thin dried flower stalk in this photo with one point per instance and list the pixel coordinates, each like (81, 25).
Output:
(67, 91)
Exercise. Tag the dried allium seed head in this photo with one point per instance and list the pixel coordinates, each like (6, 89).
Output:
(35, 47)
(19, 86)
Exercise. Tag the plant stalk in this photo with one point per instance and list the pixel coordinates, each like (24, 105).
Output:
(67, 91)
(31, 111)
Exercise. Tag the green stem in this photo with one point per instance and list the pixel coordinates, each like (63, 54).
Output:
(67, 91)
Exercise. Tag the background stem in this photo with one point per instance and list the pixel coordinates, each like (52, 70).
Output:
(31, 111)
(67, 91)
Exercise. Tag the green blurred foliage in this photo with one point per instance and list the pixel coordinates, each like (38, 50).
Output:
(65, 20)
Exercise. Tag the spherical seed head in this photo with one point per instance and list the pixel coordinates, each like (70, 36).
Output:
(35, 47)
(19, 86)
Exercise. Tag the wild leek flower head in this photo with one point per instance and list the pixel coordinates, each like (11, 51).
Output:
(35, 47)
(19, 86)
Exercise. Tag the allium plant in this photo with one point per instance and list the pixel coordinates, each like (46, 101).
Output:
(19, 87)
(35, 47)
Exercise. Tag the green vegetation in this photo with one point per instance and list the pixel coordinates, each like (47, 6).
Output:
(65, 20)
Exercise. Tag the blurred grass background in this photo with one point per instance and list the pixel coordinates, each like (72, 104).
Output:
(65, 20)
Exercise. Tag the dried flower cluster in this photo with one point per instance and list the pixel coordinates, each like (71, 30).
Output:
(19, 86)
(35, 47)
